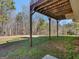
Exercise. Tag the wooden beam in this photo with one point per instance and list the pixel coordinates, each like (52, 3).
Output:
(46, 4)
(62, 8)
(52, 15)
(44, 13)
(43, 2)
(63, 5)
(54, 4)
(58, 11)
(60, 17)
(48, 13)
(63, 12)
(58, 7)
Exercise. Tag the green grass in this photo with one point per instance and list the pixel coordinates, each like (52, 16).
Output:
(40, 47)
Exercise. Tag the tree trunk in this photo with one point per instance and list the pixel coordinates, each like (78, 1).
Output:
(2, 29)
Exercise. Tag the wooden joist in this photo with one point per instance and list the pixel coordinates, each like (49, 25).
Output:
(48, 13)
(46, 4)
(54, 4)
(54, 8)
(63, 12)
(62, 9)
(59, 6)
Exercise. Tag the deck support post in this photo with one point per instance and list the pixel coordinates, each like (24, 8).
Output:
(57, 27)
(31, 14)
(50, 28)
(30, 29)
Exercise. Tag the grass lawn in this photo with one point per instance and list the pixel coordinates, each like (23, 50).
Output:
(41, 47)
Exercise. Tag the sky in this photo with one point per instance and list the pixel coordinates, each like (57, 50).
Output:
(20, 3)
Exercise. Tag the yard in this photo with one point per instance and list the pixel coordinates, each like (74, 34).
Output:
(61, 47)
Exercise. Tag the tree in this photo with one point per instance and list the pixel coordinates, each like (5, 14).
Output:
(76, 27)
(19, 21)
(5, 6)
(41, 25)
(26, 19)
(69, 28)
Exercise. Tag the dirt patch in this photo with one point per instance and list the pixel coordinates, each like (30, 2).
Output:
(76, 42)
(54, 45)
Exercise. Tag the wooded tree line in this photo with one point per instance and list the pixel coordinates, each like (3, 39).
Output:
(18, 24)
(13, 24)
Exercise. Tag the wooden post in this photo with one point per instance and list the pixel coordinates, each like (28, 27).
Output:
(30, 29)
(31, 13)
(50, 28)
(57, 27)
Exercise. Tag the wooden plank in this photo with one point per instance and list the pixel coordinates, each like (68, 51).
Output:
(46, 4)
(63, 12)
(54, 4)
(59, 4)
(63, 5)
(66, 2)
(66, 6)
(52, 15)
(62, 9)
